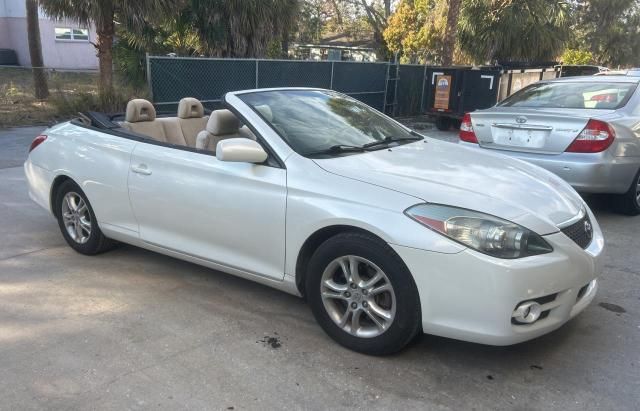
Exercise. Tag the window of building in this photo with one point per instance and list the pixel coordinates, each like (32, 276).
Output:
(67, 33)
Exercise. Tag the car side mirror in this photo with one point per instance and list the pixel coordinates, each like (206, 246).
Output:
(240, 150)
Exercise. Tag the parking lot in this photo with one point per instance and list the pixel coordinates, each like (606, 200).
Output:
(131, 329)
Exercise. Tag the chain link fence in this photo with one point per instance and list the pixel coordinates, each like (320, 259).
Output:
(208, 79)
(397, 89)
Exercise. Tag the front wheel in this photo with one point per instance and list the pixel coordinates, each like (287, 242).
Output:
(362, 294)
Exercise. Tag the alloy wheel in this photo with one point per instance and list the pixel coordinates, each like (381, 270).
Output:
(76, 217)
(358, 296)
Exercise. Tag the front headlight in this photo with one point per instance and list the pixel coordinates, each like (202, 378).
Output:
(482, 232)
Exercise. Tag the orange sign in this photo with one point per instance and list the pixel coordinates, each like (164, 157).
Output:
(443, 90)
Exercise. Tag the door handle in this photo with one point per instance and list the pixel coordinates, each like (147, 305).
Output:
(141, 169)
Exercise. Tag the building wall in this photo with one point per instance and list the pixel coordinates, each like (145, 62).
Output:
(5, 41)
(58, 54)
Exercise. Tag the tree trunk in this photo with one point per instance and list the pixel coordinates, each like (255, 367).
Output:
(35, 50)
(285, 43)
(105, 29)
(451, 30)
(336, 10)
(387, 9)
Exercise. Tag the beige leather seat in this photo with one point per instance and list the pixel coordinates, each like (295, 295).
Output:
(191, 119)
(266, 112)
(141, 118)
(222, 124)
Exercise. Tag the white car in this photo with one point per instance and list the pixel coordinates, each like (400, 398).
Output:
(385, 232)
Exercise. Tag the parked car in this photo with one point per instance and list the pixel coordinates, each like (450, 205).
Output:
(634, 72)
(584, 129)
(385, 232)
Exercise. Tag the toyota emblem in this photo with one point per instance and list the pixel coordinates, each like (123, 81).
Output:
(521, 119)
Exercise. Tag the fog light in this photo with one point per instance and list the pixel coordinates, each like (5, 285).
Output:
(527, 313)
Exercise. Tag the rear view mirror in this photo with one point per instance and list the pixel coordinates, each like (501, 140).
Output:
(240, 150)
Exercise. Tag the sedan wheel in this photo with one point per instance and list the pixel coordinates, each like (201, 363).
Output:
(76, 217)
(358, 296)
(362, 294)
(629, 203)
(638, 191)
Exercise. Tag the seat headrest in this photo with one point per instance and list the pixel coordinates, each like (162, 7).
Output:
(223, 122)
(190, 107)
(266, 112)
(138, 110)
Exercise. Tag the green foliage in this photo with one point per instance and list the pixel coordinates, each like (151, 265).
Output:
(173, 34)
(274, 49)
(579, 57)
(513, 30)
(242, 28)
(416, 30)
(133, 13)
(610, 29)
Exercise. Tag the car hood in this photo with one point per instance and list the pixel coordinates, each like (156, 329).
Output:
(445, 173)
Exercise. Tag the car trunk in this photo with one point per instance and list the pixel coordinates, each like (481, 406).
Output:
(531, 130)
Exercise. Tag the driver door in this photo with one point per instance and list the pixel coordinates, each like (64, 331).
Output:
(228, 213)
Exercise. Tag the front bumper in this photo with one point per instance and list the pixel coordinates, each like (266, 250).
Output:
(471, 296)
(586, 172)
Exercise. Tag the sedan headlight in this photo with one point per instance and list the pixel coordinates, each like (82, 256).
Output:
(481, 232)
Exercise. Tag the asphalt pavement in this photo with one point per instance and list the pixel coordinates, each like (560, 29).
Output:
(131, 329)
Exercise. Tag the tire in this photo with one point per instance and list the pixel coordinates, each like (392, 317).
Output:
(443, 123)
(77, 214)
(629, 202)
(335, 311)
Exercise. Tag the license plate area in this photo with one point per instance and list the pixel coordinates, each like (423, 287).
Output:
(518, 137)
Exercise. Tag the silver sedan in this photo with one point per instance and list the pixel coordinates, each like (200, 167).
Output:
(584, 129)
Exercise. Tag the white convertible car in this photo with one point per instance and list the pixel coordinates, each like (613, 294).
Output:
(385, 232)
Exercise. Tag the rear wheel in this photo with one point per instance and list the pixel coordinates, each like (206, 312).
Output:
(362, 294)
(629, 202)
(78, 222)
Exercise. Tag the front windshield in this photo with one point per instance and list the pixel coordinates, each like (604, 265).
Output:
(315, 121)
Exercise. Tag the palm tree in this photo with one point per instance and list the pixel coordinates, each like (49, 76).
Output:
(242, 28)
(513, 30)
(449, 43)
(35, 50)
(102, 13)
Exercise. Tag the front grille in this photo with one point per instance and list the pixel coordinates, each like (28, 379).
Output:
(581, 232)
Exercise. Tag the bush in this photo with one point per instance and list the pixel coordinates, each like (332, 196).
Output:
(114, 102)
(577, 57)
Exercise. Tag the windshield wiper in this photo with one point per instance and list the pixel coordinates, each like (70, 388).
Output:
(389, 140)
(337, 149)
